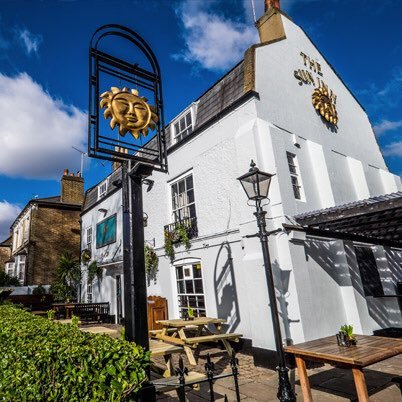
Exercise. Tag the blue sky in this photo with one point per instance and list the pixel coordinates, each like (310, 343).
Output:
(44, 72)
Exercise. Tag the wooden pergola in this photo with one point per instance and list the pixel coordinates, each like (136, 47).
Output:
(376, 220)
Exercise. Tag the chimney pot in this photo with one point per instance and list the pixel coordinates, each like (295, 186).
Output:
(65, 172)
(272, 4)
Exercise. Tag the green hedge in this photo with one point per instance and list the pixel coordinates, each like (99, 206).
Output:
(42, 360)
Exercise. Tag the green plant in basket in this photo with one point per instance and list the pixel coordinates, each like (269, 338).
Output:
(348, 331)
(190, 312)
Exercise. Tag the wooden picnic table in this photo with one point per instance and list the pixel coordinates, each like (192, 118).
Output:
(205, 329)
(68, 307)
(160, 348)
(369, 350)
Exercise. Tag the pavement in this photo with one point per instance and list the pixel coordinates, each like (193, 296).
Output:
(259, 384)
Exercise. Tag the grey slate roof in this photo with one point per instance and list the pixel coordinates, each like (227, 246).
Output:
(91, 195)
(364, 205)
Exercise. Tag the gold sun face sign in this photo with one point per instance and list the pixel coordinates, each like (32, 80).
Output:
(324, 105)
(129, 111)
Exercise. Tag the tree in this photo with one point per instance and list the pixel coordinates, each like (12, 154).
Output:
(7, 280)
(68, 278)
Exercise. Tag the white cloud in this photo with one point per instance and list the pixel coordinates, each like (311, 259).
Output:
(8, 213)
(212, 41)
(37, 131)
(386, 125)
(393, 149)
(30, 41)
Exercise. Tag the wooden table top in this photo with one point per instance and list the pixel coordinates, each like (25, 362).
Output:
(197, 321)
(369, 350)
(159, 348)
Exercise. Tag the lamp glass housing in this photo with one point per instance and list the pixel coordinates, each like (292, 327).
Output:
(256, 184)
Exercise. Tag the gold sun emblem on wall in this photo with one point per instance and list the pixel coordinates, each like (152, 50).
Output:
(129, 111)
(324, 105)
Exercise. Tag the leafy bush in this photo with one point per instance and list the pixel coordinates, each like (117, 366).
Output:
(42, 360)
(39, 290)
(7, 280)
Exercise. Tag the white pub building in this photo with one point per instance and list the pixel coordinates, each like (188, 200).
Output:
(337, 254)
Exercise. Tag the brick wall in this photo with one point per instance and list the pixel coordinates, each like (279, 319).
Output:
(53, 231)
(5, 253)
(72, 189)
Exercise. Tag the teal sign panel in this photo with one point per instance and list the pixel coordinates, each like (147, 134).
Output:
(106, 232)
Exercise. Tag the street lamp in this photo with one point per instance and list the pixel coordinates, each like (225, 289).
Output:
(256, 185)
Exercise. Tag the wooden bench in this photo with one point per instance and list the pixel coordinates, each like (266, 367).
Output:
(92, 311)
(171, 383)
(153, 333)
(213, 338)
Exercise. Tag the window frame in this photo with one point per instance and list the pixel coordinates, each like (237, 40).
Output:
(104, 183)
(295, 177)
(200, 311)
(89, 243)
(176, 211)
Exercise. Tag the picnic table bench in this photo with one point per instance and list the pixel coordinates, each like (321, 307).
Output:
(85, 311)
(176, 331)
(369, 350)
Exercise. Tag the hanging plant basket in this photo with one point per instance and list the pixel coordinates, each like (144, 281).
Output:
(86, 256)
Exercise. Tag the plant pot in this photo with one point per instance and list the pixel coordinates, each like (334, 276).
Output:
(191, 318)
(344, 340)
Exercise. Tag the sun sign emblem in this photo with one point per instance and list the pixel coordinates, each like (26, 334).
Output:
(325, 105)
(129, 111)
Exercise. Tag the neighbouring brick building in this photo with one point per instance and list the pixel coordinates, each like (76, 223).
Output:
(44, 229)
(5, 253)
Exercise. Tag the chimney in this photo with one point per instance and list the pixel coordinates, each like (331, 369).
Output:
(272, 4)
(116, 165)
(72, 189)
(270, 25)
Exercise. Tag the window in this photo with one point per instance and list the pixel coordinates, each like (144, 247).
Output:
(102, 189)
(10, 268)
(183, 127)
(106, 232)
(190, 289)
(369, 274)
(183, 202)
(294, 175)
(89, 238)
(25, 226)
(89, 293)
(21, 269)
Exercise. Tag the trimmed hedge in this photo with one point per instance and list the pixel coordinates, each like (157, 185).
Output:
(42, 360)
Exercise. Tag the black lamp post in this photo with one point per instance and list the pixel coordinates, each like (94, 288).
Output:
(256, 185)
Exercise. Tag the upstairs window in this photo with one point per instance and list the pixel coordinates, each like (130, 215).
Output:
(89, 238)
(294, 176)
(183, 202)
(102, 189)
(183, 127)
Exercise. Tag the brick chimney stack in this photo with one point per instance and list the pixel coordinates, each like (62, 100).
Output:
(270, 25)
(72, 188)
(272, 4)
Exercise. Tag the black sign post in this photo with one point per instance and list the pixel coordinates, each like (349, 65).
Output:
(135, 138)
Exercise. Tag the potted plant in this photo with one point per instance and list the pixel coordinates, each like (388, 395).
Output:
(345, 337)
(190, 313)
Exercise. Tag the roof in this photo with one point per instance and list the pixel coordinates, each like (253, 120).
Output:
(376, 220)
(91, 195)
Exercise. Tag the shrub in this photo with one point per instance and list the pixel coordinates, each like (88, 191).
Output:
(7, 280)
(39, 290)
(44, 360)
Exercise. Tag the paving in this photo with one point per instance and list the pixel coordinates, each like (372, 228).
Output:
(259, 384)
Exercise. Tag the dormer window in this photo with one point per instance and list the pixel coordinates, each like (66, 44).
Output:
(102, 189)
(183, 125)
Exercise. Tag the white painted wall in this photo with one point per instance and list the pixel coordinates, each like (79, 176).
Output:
(317, 287)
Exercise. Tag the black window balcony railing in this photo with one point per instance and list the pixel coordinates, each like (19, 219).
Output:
(189, 224)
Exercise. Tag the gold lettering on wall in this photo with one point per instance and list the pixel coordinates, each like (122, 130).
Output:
(323, 98)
